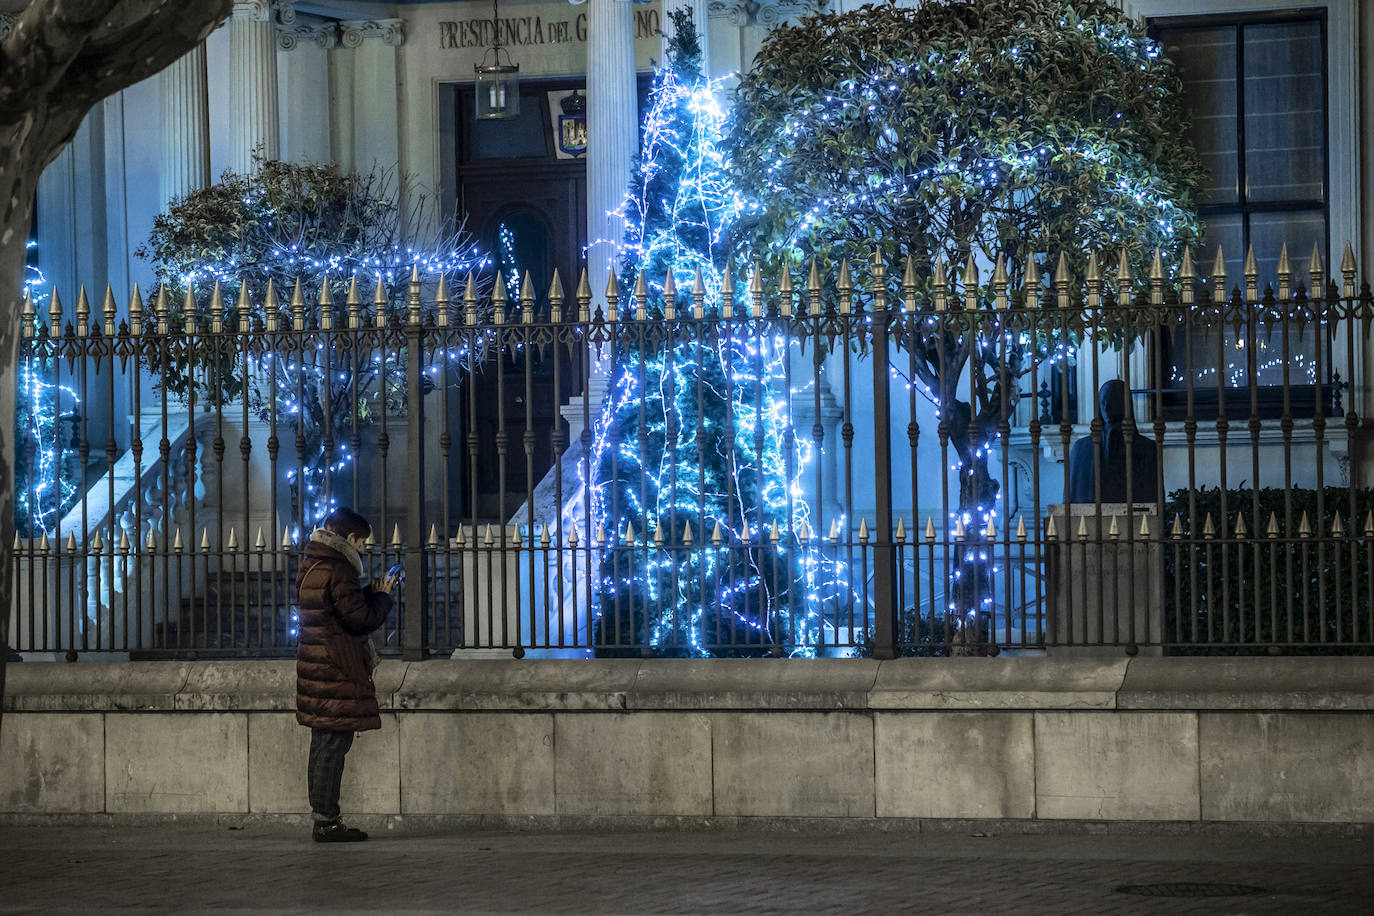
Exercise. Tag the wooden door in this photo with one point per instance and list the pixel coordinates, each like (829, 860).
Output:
(527, 208)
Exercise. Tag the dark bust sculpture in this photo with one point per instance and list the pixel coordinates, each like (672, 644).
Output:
(1108, 467)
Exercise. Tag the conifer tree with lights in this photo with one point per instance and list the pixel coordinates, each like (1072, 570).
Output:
(694, 458)
(986, 132)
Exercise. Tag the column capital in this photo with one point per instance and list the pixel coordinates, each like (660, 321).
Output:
(260, 10)
(764, 13)
(353, 32)
(294, 28)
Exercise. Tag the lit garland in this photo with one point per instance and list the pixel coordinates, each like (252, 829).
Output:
(690, 465)
(44, 490)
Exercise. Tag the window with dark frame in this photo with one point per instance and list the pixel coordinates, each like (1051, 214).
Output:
(1255, 86)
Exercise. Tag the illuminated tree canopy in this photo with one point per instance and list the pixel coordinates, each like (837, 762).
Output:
(288, 222)
(1011, 127)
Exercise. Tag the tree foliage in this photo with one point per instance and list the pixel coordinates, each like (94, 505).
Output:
(292, 222)
(1012, 127)
(286, 219)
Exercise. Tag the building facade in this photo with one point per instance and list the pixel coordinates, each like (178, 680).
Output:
(1282, 103)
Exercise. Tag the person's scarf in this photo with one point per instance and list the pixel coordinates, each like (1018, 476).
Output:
(339, 544)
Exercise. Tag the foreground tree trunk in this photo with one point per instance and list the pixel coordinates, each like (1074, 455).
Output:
(61, 58)
(970, 586)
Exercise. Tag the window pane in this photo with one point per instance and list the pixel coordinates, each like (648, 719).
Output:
(1271, 354)
(519, 137)
(1285, 120)
(1206, 61)
(1269, 232)
(1229, 233)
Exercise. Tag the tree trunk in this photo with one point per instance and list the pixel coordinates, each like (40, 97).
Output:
(970, 586)
(15, 224)
(60, 58)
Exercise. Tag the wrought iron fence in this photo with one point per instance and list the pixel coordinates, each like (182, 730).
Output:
(862, 461)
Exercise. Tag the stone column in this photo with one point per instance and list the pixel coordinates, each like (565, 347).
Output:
(185, 126)
(612, 131)
(804, 420)
(698, 8)
(253, 75)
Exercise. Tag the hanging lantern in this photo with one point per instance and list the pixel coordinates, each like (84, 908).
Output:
(498, 84)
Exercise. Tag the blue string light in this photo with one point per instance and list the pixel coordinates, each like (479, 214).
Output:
(46, 490)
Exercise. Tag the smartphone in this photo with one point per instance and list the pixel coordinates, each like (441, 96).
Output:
(398, 571)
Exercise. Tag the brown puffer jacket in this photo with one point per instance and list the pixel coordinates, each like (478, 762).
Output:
(334, 687)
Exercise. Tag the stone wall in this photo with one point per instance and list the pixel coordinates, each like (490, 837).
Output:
(1275, 740)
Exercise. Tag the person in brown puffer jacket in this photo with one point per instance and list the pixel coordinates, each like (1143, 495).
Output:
(335, 696)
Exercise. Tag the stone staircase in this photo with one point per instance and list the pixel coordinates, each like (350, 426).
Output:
(236, 615)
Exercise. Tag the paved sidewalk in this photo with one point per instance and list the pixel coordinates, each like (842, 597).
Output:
(274, 867)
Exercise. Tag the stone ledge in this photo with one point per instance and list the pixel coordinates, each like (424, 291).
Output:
(98, 686)
(218, 686)
(744, 683)
(1335, 684)
(1248, 683)
(991, 683)
(490, 684)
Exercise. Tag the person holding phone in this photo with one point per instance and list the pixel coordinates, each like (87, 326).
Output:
(335, 696)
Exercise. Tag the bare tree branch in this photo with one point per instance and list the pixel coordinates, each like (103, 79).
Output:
(60, 59)
(81, 51)
(141, 38)
(39, 48)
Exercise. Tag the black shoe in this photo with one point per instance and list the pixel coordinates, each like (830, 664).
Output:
(336, 832)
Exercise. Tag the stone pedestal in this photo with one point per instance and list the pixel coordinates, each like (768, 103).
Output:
(1104, 591)
(804, 420)
(487, 587)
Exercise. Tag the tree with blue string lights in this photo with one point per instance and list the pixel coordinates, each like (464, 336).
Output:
(45, 486)
(705, 546)
(290, 224)
(986, 140)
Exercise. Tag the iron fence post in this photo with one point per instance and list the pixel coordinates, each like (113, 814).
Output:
(884, 554)
(416, 590)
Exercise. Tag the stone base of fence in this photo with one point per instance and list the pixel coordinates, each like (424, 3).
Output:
(1168, 741)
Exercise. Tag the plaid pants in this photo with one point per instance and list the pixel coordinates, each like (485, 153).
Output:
(327, 751)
